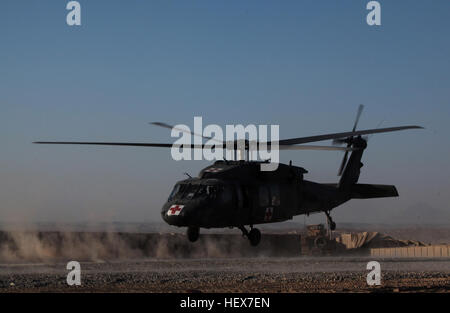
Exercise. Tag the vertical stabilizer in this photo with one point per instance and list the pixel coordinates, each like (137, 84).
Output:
(352, 170)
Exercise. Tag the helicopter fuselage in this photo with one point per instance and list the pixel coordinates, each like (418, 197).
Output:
(233, 194)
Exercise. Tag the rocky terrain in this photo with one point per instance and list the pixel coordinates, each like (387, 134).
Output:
(327, 274)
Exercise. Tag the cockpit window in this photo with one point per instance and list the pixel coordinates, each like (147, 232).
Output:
(191, 191)
(209, 191)
(175, 191)
(206, 190)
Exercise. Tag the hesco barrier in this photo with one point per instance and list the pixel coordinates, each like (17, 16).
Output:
(435, 251)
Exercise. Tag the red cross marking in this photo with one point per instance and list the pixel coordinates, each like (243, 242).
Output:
(174, 209)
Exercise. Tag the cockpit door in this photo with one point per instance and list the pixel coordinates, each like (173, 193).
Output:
(239, 196)
(242, 205)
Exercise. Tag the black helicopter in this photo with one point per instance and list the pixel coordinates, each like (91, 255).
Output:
(237, 193)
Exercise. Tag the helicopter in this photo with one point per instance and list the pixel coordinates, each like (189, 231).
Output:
(237, 194)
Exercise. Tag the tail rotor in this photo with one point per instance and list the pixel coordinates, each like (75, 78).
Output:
(348, 140)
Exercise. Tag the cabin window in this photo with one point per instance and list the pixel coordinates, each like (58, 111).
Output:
(275, 195)
(264, 196)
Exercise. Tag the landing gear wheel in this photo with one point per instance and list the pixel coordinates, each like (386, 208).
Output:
(254, 236)
(193, 233)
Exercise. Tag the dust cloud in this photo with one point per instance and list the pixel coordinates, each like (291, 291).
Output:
(54, 246)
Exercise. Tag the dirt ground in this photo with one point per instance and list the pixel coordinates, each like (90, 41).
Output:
(300, 274)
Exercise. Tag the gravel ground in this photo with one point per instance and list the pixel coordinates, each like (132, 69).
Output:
(327, 274)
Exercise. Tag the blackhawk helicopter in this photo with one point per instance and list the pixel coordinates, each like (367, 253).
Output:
(237, 193)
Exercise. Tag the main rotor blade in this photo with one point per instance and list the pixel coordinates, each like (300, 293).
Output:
(204, 146)
(321, 148)
(131, 144)
(134, 144)
(160, 124)
(300, 140)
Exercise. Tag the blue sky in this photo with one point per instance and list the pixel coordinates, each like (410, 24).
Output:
(305, 65)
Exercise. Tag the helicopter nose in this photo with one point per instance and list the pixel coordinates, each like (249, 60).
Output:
(177, 214)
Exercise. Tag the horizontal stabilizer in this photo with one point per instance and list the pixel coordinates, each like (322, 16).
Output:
(367, 191)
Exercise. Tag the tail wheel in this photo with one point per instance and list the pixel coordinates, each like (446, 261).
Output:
(193, 233)
(254, 236)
